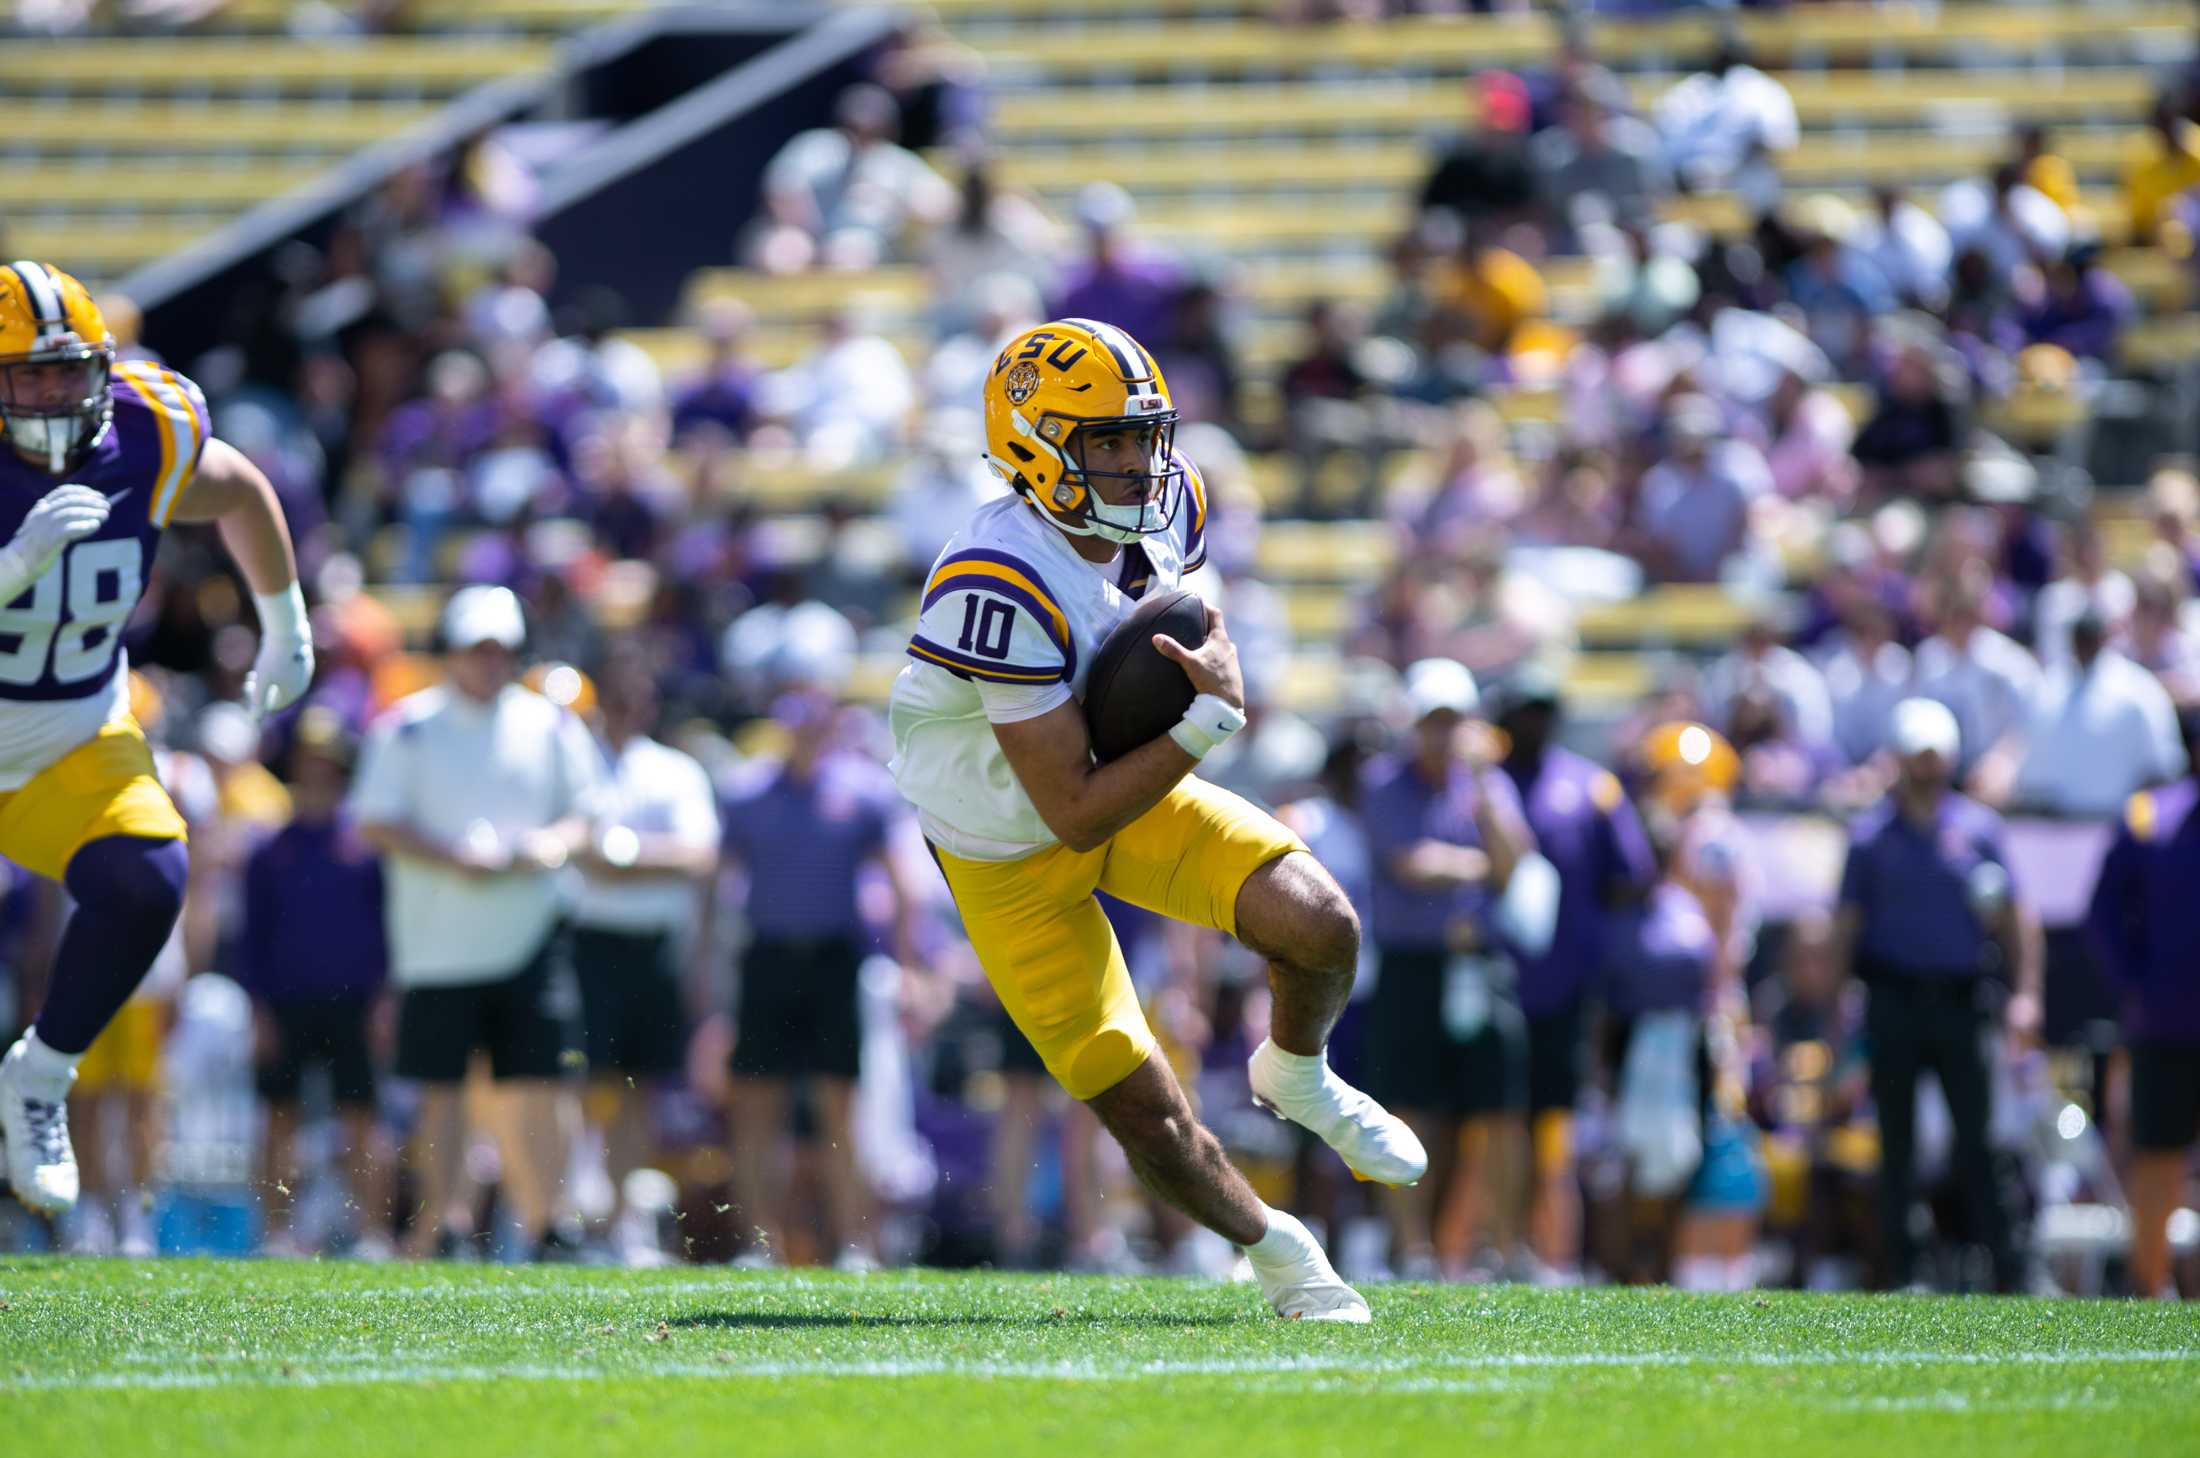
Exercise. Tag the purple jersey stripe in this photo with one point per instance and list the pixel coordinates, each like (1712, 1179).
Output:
(963, 663)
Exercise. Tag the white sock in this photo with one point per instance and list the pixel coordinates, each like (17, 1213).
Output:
(45, 1071)
(1285, 1241)
(1300, 1073)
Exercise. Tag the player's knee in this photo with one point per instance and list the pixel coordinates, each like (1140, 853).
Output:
(131, 877)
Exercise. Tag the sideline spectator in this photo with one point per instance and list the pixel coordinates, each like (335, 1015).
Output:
(2145, 926)
(802, 830)
(1444, 1034)
(478, 793)
(636, 922)
(313, 952)
(1925, 898)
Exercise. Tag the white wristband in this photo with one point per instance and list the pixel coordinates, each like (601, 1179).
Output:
(283, 614)
(1206, 726)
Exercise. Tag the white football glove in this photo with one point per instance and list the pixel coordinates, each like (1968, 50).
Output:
(283, 669)
(63, 515)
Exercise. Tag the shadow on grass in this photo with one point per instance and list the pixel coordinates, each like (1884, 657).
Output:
(797, 1320)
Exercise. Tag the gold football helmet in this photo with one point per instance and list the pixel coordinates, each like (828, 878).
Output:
(1055, 388)
(56, 357)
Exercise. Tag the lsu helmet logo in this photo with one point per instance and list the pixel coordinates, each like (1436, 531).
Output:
(1053, 391)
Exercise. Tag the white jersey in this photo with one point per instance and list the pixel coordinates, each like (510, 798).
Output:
(1010, 620)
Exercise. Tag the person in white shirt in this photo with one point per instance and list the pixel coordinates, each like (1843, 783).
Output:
(478, 792)
(2101, 729)
(1984, 677)
(1760, 662)
(841, 196)
(1723, 125)
(635, 920)
(1908, 245)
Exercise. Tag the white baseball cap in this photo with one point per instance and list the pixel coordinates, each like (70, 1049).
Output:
(1919, 725)
(482, 614)
(1436, 684)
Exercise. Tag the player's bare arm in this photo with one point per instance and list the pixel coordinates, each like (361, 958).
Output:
(1085, 803)
(237, 498)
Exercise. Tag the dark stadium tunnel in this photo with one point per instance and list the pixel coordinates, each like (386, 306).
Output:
(795, 1320)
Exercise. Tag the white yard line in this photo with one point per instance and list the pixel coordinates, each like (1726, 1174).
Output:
(1410, 1374)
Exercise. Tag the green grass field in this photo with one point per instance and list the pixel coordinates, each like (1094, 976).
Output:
(185, 1357)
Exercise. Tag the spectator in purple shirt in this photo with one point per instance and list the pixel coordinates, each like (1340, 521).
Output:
(1925, 899)
(2145, 923)
(1119, 282)
(1584, 825)
(803, 830)
(312, 954)
(721, 398)
(1446, 834)
(2080, 306)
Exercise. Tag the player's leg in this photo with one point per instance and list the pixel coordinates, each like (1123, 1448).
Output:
(847, 1200)
(1010, 1161)
(99, 821)
(1054, 961)
(1554, 1200)
(1895, 1045)
(1214, 859)
(438, 1144)
(1175, 1157)
(437, 1030)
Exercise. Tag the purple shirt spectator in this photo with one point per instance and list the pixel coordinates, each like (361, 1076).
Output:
(1586, 828)
(1136, 292)
(2145, 920)
(803, 843)
(1400, 808)
(313, 926)
(2081, 309)
(1913, 887)
(724, 399)
(1663, 953)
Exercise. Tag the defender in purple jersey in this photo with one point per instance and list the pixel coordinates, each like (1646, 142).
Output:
(96, 459)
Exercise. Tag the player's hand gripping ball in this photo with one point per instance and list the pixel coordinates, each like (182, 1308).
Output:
(1133, 694)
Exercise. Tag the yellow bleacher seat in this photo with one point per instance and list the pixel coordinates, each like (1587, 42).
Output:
(1232, 46)
(2158, 346)
(182, 64)
(174, 127)
(102, 249)
(1413, 108)
(904, 289)
(1685, 614)
(1334, 551)
(532, 15)
(155, 187)
(1608, 679)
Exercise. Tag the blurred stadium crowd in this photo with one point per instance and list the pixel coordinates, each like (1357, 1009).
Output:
(1826, 423)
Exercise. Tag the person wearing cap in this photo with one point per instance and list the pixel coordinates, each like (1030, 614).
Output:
(2144, 922)
(1926, 909)
(1585, 826)
(805, 829)
(637, 915)
(477, 793)
(1451, 914)
(313, 951)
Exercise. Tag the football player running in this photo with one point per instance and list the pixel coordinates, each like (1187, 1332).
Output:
(992, 750)
(98, 458)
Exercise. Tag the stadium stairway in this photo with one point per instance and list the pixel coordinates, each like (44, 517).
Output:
(117, 150)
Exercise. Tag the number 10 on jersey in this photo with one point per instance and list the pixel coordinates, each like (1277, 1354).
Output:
(987, 623)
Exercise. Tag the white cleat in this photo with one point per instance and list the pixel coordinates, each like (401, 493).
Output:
(1374, 1143)
(34, 1130)
(1303, 1286)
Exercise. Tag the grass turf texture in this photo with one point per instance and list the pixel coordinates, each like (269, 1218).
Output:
(183, 1357)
